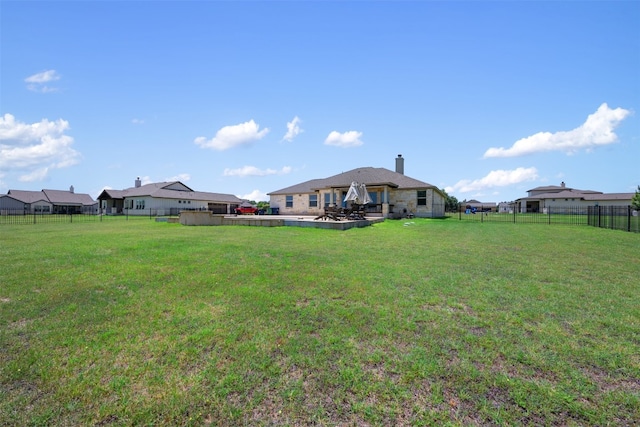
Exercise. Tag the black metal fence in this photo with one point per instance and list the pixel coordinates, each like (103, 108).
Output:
(8, 216)
(613, 217)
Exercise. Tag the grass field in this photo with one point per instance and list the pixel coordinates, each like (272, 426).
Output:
(425, 322)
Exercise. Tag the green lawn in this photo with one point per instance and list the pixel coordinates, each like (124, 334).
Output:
(420, 322)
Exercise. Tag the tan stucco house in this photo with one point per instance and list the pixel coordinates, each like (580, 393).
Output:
(541, 199)
(47, 202)
(164, 198)
(392, 193)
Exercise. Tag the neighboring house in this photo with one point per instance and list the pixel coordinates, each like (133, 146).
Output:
(541, 199)
(506, 207)
(164, 198)
(393, 194)
(47, 202)
(479, 206)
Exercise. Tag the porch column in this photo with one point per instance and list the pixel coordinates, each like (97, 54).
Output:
(385, 202)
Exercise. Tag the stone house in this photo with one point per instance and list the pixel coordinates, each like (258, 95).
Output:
(392, 193)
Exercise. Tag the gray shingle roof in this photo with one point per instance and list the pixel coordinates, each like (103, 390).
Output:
(112, 194)
(581, 194)
(160, 190)
(56, 197)
(368, 175)
(609, 196)
(26, 196)
(61, 197)
(551, 188)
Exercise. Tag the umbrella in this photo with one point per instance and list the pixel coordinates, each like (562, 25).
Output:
(364, 194)
(357, 194)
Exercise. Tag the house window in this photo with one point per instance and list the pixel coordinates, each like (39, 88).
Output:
(289, 201)
(313, 200)
(373, 195)
(139, 203)
(422, 197)
(327, 199)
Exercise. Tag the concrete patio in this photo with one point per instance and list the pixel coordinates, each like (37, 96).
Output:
(204, 218)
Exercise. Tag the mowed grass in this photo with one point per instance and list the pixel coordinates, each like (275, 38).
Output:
(420, 322)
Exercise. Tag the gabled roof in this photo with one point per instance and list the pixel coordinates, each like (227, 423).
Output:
(168, 190)
(26, 196)
(55, 197)
(109, 193)
(368, 175)
(581, 194)
(555, 189)
(153, 188)
(550, 188)
(566, 194)
(609, 196)
(60, 197)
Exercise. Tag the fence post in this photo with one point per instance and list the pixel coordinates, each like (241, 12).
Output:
(549, 214)
(611, 217)
(629, 218)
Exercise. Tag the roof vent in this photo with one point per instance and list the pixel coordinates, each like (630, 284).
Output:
(400, 164)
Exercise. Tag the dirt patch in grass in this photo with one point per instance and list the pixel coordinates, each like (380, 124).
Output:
(608, 383)
(20, 324)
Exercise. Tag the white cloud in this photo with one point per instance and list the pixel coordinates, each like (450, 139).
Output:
(595, 131)
(37, 82)
(293, 129)
(33, 150)
(497, 178)
(344, 140)
(254, 171)
(255, 195)
(183, 177)
(43, 77)
(137, 121)
(233, 136)
(34, 176)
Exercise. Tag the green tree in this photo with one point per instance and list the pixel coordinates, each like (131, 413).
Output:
(635, 202)
(450, 202)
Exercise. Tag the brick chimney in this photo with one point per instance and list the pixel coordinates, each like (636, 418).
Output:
(400, 164)
(71, 189)
(138, 183)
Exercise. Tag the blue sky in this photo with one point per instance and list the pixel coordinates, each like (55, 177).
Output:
(484, 99)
